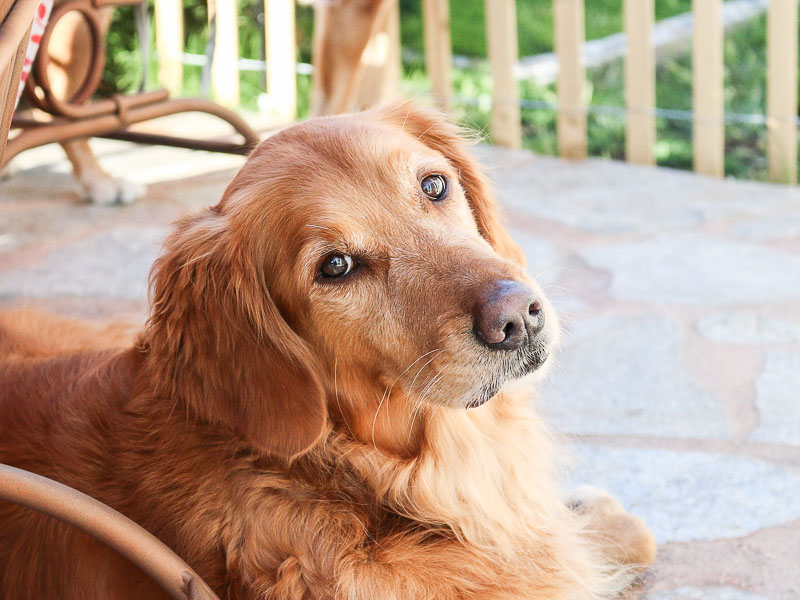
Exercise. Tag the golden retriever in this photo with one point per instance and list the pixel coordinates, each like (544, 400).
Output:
(319, 405)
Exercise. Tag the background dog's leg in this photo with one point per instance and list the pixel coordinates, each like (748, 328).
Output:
(70, 62)
(342, 29)
(624, 538)
(98, 186)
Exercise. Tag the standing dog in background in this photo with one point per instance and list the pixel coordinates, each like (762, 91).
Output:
(342, 31)
(320, 404)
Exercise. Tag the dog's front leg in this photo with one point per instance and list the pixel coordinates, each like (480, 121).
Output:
(329, 551)
(624, 538)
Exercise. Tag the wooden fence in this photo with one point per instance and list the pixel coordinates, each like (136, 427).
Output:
(569, 36)
(280, 51)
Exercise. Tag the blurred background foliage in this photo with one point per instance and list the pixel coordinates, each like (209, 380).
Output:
(745, 67)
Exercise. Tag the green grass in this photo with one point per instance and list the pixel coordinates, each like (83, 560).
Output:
(534, 23)
(745, 62)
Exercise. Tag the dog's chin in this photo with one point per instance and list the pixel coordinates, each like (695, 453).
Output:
(530, 363)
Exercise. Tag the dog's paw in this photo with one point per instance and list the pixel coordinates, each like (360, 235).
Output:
(624, 537)
(108, 190)
(589, 499)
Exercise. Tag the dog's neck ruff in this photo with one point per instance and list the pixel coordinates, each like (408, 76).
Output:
(479, 473)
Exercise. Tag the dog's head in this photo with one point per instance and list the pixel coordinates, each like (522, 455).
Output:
(352, 259)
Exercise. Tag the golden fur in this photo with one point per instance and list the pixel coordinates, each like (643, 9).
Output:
(293, 438)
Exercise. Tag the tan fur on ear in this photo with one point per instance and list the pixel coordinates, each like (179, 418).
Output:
(433, 129)
(218, 343)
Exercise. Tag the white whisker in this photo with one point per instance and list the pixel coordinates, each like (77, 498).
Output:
(411, 388)
(336, 395)
(375, 419)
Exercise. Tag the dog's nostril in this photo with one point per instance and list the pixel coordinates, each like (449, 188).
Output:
(508, 331)
(535, 308)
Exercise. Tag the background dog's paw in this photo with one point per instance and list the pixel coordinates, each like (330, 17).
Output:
(624, 537)
(107, 190)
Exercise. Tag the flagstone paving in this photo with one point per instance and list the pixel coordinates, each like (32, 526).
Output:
(676, 386)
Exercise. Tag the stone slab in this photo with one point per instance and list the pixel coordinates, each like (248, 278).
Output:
(747, 328)
(778, 399)
(704, 593)
(113, 263)
(774, 227)
(693, 496)
(610, 197)
(697, 269)
(542, 257)
(620, 374)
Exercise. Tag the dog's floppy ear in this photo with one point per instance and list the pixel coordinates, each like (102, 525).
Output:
(218, 343)
(433, 129)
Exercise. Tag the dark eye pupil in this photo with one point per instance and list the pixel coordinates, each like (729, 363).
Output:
(433, 186)
(336, 265)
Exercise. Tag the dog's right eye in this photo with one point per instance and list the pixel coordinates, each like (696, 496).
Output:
(336, 265)
(434, 186)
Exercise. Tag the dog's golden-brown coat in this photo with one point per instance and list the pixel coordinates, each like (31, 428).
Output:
(293, 437)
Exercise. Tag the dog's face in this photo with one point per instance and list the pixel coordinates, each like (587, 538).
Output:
(377, 260)
(381, 249)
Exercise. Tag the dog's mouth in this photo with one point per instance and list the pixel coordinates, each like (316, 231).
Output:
(530, 362)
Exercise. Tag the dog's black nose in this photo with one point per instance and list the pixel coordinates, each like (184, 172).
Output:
(508, 315)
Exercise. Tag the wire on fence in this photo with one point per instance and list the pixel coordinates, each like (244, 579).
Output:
(669, 114)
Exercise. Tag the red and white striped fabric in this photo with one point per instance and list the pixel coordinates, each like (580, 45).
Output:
(43, 10)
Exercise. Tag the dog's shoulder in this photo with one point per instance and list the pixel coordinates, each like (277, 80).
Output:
(38, 394)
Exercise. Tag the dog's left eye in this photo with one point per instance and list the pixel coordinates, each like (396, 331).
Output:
(336, 265)
(434, 186)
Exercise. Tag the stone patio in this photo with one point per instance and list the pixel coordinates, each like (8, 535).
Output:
(678, 381)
